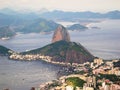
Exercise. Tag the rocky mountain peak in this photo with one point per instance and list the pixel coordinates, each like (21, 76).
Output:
(61, 33)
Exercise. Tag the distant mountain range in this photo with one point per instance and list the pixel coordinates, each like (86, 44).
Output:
(61, 15)
(57, 14)
(28, 22)
(10, 26)
(6, 32)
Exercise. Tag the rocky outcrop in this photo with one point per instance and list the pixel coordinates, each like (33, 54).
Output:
(60, 51)
(61, 33)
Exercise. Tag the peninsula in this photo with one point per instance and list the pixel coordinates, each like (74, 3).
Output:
(60, 51)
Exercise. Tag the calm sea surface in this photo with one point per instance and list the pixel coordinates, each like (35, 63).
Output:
(22, 75)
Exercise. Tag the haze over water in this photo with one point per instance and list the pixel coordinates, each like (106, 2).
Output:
(22, 75)
(104, 42)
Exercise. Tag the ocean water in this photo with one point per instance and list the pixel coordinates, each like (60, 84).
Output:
(103, 42)
(22, 75)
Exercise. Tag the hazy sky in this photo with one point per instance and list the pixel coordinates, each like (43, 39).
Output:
(66, 5)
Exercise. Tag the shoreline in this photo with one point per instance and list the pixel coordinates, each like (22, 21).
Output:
(40, 57)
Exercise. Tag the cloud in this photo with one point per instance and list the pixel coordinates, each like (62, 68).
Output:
(66, 5)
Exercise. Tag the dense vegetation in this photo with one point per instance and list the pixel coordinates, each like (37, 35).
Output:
(117, 64)
(75, 82)
(58, 48)
(111, 77)
(63, 51)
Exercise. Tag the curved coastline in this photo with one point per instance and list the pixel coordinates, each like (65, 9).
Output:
(39, 57)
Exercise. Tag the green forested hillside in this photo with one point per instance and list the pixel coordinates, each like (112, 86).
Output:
(63, 51)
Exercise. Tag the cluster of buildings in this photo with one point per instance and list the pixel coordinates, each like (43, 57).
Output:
(30, 57)
(89, 85)
(18, 56)
(106, 67)
(98, 66)
(109, 87)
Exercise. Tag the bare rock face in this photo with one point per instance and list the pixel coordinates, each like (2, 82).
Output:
(61, 33)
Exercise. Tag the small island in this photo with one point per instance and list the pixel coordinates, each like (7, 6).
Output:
(77, 27)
